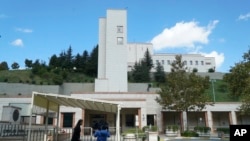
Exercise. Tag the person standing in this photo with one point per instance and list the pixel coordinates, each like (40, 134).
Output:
(77, 131)
(102, 134)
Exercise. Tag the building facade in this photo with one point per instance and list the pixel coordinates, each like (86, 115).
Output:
(115, 58)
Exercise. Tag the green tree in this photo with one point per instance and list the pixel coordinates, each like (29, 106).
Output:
(159, 75)
(15, 66)
(238, 80)
(183, 91)
(28, 63)
(91, 66)
(53, 61)
(4, 66)
(141, 70)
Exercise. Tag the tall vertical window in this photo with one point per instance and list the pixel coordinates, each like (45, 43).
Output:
(185, 62)
(120, 40)
(67, 119)
(202, 63)
(191, 62)
(119, 29)
(196, 63)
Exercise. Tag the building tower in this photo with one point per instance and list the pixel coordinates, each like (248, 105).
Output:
(112, 53)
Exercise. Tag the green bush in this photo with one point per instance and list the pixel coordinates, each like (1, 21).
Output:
(141, 133)
(173, 127)
(189, 133)
(203, 129)
(148, 128)
(224, 130)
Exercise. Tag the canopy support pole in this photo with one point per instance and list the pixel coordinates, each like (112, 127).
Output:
(118, 123)
(31, 110)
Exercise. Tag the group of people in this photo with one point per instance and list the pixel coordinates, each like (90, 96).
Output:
(101, 133)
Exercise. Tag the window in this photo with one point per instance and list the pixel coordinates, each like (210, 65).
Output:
(202, 63)
(130, 120)
(191, 62)
(50, 120)
(119, 29)
(120, 40)
(67, 119)
(168, 62)
(185, 62)
(157, 61)
(162, 62)
(196, 62)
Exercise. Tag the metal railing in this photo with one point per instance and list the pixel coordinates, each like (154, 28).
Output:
(19, 132)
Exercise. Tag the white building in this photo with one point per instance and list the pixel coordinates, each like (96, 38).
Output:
(114, 58)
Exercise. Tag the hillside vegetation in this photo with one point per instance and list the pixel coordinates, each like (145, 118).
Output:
(27, 77)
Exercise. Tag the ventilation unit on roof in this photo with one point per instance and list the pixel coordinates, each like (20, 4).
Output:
(11, 114)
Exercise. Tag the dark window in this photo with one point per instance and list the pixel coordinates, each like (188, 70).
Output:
(50, 120)
(130, 120)
(67, 119)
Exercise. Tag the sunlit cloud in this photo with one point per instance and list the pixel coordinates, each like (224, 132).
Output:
(24, 30)
(183, 35)
(17, 42)
(244, 17)
(219, 57)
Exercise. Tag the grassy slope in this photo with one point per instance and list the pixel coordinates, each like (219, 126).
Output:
(24, 76)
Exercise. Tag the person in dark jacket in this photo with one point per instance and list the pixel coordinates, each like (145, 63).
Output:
(102, 134)
(77, 131)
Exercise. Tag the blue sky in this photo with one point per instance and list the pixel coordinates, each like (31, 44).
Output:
(38, 29)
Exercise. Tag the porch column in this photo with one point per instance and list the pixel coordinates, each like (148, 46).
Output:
(233, 118)
(83, 119)
(184, 120)
(139, 117)
(209, 120)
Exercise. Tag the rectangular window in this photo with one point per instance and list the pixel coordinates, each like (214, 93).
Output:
(162, 62)
(67, 119)
(169, 62)
(119, 29)
(196, 62)
(120, 40)
(202, 63)
(185, 62)
(130, 120)
(191, 62)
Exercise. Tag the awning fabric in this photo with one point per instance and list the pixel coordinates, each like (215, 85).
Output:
(52, 102)
(55, 100)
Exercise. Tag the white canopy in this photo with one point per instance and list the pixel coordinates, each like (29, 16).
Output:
(52, 102)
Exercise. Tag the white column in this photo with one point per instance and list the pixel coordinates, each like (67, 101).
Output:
(210, 120)
(184, 120)
(234, 118)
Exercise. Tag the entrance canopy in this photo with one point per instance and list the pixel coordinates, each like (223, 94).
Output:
(52, 102)
(55, 100)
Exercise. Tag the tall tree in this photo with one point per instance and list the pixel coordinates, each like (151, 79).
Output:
(92, 63)
(15, 66)
(28, 63)
(141, 69)
(53, 61)
(183, 91)
(238, 80)
(4, 66)
(159, 74)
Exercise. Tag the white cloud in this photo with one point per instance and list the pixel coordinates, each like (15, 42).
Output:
(183, 34)
(25, 30)
(219, 58)
(244, 17)
(17, 42)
